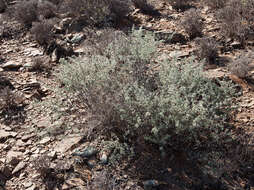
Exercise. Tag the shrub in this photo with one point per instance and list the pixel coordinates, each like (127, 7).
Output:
(47, 9)
(241, 66)
(216, 4)
(26, 12)
(208, 49)
(175, 106)
(42, 166)
(144, 6)
(42, 32)
(102, 180)
(180, 4)
(11, 106)
(38, 64)
(192, 23)
(236, 18)
(2, 6)
(95, 12)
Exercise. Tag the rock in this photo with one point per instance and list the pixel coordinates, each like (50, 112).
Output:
(52, 154)
(43, 123)
(165, 36)
(179, 54)
(236, 45)
(170, 37)
(91, 163)
(54, 56)
(45, 140)
(149, 184)
(11, 65)
(19, 167)
(4, 135)
(13, 157)
(64, 24)
(67, 143)
(33, 52)
(26, 137)
(104, 158)
(27, 184)
(77, 38)
(33, 187)
(75, 182)
(87, 152)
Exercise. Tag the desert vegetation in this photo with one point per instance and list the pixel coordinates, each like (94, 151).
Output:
(151, 94)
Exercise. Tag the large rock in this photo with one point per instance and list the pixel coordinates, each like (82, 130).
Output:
(6, 134)
(11, 65)
(19, 167)
(13, 157)
(67, 143)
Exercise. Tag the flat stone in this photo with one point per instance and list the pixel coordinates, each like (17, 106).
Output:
(45, 140)
(43, 123)
(11, 65)
(19, 167)
(27, 184)
(13, 157)
(5, 134)
(26, 137)
(67, 143)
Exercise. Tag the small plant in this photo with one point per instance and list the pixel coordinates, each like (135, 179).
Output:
(38, 64)
(144, 5)
(180, 4)
(42, 166)
(3, 6)
(26, 12)
(236, 18)
(47, 9)
(176, 106)
(97, 12)
(241, 66)
(42, 32)
(102, 180)
(216, 4)
(11, 104)
(192, 23)
(208, 49)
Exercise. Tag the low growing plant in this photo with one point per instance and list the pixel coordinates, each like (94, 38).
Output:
(208, 49)
(192, 23)
(173, 107)
(180, 4)
(42, 32)
(241, 66)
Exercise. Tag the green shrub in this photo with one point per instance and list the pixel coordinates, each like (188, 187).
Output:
(175, 106)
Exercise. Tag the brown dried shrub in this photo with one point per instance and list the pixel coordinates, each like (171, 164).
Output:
(102, 180)
(180, 4)
(192, 23)
(208, 49)
(144, 5)
(237, 20)
(216, 4)
(42, 32)
(42, 166)
(11, 106)
(96, 12)
(47, 9)
(241, 65)
(2, 6)
(26, 12)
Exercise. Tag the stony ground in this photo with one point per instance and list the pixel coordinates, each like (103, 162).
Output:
(37, 130)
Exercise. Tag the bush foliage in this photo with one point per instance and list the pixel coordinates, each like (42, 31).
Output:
(192, 23)
(175, 106)
(208, 49)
